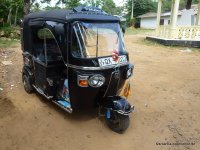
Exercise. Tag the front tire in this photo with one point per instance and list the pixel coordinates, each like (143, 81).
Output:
(117, 122)
(27, 84)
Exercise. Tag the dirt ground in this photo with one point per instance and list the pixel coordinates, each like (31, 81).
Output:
(165, 92)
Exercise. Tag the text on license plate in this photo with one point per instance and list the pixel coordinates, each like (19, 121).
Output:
(109, 61)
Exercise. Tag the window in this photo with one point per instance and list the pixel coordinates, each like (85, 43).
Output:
(44, 33)
(46, 48)
(161, 21)
(96, 39)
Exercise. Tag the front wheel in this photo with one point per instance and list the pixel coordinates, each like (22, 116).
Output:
(27, 84)
(117, 122)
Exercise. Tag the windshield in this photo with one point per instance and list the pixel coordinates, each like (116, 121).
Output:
(96, 39)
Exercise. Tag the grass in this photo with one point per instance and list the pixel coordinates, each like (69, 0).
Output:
(134, 31)
(195, 49)
(155, 44)
(5, 42)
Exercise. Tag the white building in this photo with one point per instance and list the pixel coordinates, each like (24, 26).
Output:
(175, 27)
(184, 18)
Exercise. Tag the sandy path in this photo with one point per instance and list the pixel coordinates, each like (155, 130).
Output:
(165, 92)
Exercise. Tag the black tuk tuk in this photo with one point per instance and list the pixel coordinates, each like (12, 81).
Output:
(77, 59)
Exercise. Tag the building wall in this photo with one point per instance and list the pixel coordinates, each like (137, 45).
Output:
(148, 23)
(166, 20)
(188, 18)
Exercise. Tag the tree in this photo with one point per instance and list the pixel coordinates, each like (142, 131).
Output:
(61, 2)
(70, 4)
(96, 3)
(27, 6)
(183, 4)
(36, 7)
(167, 5)
(140, 7)
(109, 6)
(10, 10)
(29, 3)
(188, 4)
(18, 5)
(195, 1)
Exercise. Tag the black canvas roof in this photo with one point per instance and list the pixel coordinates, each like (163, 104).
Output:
(71, 15)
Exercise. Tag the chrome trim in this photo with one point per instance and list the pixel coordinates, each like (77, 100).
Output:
(96, 68)
(122, 112)
(67, 109)
(42, 93)
(26, 53)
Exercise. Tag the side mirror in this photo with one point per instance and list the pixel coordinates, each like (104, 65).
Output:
(123, 26)
(123, 29)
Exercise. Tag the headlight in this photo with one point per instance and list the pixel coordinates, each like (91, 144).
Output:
(96, 80)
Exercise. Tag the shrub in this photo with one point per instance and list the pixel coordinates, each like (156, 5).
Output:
(10, 32)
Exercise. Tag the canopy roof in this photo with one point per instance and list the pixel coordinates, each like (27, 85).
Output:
(79, 13)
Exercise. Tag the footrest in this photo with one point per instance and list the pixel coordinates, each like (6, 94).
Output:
(64, 103)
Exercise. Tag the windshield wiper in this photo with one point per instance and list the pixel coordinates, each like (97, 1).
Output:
(97, 44)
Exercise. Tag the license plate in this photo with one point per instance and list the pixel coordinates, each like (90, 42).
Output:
(109, 61)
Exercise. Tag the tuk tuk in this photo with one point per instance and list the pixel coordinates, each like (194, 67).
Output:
(77, 59)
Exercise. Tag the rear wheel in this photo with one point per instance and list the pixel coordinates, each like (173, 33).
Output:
(27, 84)
(117, 122)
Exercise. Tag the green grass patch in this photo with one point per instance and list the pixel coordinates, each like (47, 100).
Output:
(134, 31)
(5, 43)
(152, 43)
(155, 44)
(195, 49)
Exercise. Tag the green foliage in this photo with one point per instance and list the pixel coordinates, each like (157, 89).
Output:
(106, 5)
(195, 1)
(167, 5)
(6, 31)
(51, 8)
(96, 3)
(36, 7)
(109, 6)
(10, 32)
(11, 10)
(140, 7)
(70, 4)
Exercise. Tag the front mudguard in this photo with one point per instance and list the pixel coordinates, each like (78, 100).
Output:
(117, 104)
